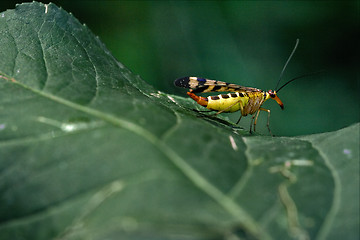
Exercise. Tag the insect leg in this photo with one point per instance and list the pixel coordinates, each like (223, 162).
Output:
(221, 111)
(239, 119)
(253, 123)
(201, 111)
(268, 120)
(241, 110)
(256, 118)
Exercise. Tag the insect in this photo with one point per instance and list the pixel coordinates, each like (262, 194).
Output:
(246, 99)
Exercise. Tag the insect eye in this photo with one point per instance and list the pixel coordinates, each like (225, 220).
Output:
(271, 93)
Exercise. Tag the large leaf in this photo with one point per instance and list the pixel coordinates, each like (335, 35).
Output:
(90, 151)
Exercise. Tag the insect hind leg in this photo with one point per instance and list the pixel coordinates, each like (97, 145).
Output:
(224, 110)
(201, 111)
(227, 108)
(239, 119)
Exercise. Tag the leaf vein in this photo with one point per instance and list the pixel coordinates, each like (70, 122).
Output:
(335, 206)
(195, 177)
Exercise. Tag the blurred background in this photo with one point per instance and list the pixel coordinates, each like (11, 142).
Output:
(242, 42)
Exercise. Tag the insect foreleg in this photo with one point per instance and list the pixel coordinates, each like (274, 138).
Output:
(268, 120)
(255, 118)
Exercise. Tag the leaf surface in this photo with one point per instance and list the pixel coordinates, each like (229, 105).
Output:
(89, 150)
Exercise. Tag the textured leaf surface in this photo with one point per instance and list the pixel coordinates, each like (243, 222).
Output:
(90, 151)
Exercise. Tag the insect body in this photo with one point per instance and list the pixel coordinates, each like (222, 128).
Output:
(247, 100)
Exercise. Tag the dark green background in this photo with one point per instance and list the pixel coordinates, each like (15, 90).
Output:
(243, 42)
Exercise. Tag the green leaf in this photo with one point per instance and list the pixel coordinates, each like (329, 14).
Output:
(88, 150)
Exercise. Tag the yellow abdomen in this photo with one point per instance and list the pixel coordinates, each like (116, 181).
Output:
(230, 102)
(246, 102)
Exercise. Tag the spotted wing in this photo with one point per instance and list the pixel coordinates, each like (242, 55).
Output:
(203, 85)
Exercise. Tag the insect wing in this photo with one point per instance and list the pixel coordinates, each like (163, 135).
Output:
(203, 85)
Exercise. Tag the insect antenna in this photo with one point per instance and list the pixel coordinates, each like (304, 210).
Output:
(283, 70)
(302, 76)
